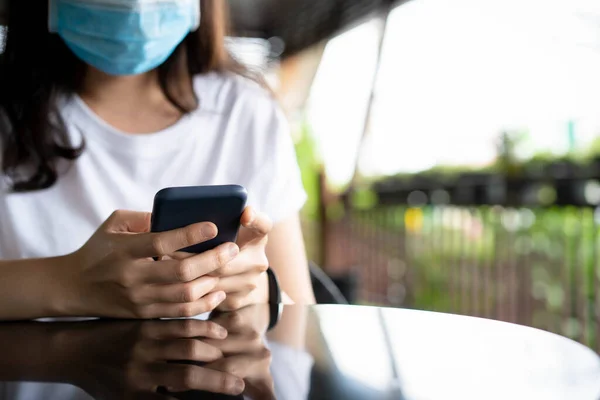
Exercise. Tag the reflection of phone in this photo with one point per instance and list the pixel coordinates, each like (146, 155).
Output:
(176, 208)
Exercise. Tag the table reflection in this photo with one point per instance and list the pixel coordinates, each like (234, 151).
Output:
(316, 353)
(226, 356)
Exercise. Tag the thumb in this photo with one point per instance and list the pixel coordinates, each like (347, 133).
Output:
(129, 222)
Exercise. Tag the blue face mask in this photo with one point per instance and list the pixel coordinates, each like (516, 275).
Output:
(123, 37)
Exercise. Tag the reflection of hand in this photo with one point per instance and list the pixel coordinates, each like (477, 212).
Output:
(246, 355)
(111, 366)
(127, 359)
(244, 350)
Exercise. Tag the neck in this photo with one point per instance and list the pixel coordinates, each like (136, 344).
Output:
(133, 104)
(122, 91)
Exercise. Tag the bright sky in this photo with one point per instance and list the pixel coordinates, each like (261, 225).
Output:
(454, 76)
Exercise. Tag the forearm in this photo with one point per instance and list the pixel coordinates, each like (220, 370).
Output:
(31, 289)
(287, 257)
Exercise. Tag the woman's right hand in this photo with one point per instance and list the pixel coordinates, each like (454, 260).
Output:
(114, 275)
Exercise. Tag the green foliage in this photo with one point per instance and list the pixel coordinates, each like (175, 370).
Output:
(593, 151)
(310, 167)
(364, 199)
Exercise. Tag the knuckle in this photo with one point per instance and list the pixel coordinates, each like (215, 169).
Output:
(187, 328)
(221, 258)
(135, 296)
(191, 349)
(125, 278)
(190, 237)
(184, 270)
(186, 310)
(157, 245)
(188, 294)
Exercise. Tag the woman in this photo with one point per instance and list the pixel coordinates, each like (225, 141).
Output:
(105, 102)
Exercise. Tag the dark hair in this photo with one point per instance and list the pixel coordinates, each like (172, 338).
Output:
(37, 68)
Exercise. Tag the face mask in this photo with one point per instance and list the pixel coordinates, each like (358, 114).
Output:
(123, 37)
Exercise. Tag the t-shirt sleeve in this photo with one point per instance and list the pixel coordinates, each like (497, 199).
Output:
(276, 187)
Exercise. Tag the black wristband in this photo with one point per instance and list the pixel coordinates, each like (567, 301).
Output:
(275, 308)
(274, 288)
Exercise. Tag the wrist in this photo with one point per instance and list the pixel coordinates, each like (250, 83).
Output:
(263, 289)
(62, 290)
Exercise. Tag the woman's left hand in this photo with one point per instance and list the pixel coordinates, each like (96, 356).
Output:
(245, 279)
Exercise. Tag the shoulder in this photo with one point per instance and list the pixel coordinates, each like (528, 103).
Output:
(246, 110)
(222, 92)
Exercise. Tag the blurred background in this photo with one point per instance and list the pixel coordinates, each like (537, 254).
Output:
(450, 149)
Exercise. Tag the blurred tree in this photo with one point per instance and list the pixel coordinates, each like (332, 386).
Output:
(310, 167)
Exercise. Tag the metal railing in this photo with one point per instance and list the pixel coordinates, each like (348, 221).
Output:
(532, 265)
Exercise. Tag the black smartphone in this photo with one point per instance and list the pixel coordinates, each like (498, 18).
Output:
(179, 207)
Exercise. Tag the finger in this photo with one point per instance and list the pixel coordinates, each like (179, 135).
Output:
(165, 243)
(181, 255)
(185, 310)
(262, 388)
(254, 318)
(188, 270)
(192, 377)
(123, 221)
(256, 227)
(243, 365)
(243, 283)
(239, 301)
(188, 292)
(258, 222)
(182, 329)
(237, 343)
(179, 350)
(250, 260)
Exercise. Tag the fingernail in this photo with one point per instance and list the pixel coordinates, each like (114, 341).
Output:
(220, 297)
(209, 231)
(233, 250)
(238, 386)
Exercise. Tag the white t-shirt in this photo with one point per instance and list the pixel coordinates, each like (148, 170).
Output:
(238, 135)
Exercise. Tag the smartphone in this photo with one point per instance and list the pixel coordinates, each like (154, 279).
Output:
(179, 207)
